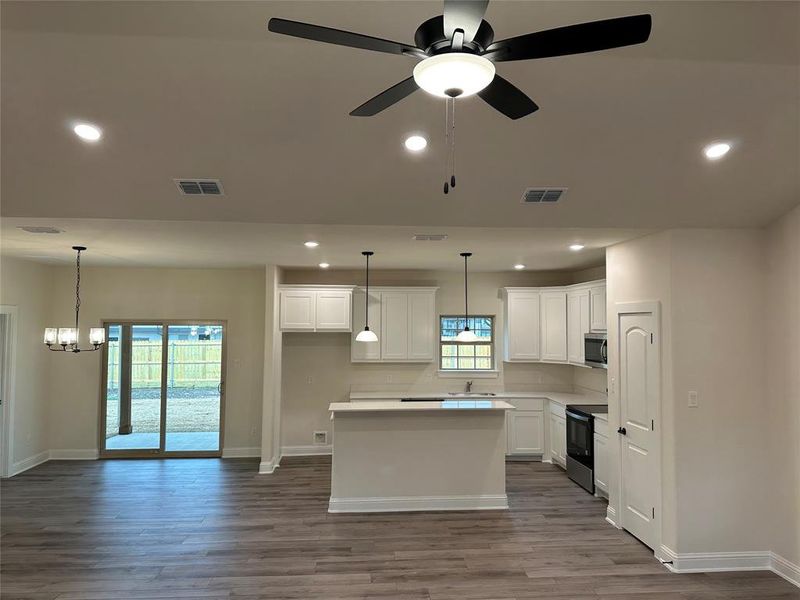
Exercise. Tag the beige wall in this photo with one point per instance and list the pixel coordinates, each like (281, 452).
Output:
(236, 296)
(325, 357)
(783, 381)
(27, 286)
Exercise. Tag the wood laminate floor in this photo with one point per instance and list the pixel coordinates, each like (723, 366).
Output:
(209, 529)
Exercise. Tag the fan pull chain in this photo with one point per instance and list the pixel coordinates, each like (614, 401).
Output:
(453, 145)
(450, 143)
(446, 143)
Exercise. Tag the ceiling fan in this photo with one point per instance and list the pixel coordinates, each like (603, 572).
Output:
(457, 53)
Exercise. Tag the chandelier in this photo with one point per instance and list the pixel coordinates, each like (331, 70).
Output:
(65, 339)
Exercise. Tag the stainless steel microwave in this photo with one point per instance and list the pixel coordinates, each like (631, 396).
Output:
(595, 348)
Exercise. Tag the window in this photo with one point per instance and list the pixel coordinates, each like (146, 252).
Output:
(466, 356)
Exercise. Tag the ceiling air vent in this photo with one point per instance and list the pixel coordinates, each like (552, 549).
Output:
(39, 229)
(430, 237)
(543, 195)
(199, 187)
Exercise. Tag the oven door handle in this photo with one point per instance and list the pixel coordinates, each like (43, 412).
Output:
(577, 417)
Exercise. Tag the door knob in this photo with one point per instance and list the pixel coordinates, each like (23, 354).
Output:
(622, 431)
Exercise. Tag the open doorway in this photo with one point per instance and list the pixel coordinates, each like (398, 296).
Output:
(163, 389)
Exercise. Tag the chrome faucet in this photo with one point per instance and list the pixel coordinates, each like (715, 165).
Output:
(469, 387)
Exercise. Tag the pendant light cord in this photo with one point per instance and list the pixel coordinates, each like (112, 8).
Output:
(366, 299)
(466, 295)
(77, 290)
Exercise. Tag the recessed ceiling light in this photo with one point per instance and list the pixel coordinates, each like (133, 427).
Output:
(519, 267)
(716, 150)
(324, 265)
(576, 247)
(415, 143)
(311, 244)
(87, 131)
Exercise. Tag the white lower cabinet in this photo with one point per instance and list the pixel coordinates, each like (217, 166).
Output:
(602, 467)
(558, 435)
(525, 428)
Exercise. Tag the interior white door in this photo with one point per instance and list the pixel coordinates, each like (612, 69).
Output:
(394, 326)
(554, 326)
(638, 390)
(4, 375)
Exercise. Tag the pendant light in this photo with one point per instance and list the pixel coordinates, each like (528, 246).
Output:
(467, 335)
(367, 335)
(67, 337)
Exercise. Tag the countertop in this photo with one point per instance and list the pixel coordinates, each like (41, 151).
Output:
(562, 398)
(478, 405)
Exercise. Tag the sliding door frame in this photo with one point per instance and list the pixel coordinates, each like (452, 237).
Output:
(161, 451)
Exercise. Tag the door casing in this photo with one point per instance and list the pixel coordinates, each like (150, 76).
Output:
(161, 452)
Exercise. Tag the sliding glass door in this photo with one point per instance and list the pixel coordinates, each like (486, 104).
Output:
(163, 388)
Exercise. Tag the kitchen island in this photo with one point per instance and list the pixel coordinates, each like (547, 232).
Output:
(419, 455)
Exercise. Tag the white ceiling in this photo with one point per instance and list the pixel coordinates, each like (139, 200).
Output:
(185, 89)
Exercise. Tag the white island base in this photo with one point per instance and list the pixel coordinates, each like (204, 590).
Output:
(412, 456)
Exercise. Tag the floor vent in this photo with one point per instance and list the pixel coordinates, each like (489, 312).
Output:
(199, 187)
(39, 229)
(430, 237)
(543, 195)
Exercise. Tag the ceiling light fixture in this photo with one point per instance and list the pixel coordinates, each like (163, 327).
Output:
(576, 247)
(716, 150)
(519, 267)
(324, 265)
(366, 335)
(467, 335)
(415, 143)
(454, 74)
(87, 131)
(311, 244)
(67, 337)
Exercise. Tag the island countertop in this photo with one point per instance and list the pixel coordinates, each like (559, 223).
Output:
(472, 405)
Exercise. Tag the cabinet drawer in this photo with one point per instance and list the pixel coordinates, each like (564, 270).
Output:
(601, 427)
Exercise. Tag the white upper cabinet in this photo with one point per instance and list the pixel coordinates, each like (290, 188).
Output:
(366, 351)
(577, 324)
(334, 310)
(316, 308)
(298, 310)
(548, 324)
(394, 322)
(598, 307)
(554, 325)
(404, 319)
(521, 325)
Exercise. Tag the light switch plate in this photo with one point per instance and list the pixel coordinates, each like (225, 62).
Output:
(693, 402)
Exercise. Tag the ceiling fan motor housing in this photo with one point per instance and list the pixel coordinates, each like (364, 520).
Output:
(431, 38)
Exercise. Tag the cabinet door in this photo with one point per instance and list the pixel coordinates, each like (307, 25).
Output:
(522, 326)
(598, 302)
(421, 327)
(578, 324)
(601, 466)
(298, 308)
(526, 431)
(562, 442)
(394, 326)
(555, 451)
(366, 351)
(333, 310)
(554, 326)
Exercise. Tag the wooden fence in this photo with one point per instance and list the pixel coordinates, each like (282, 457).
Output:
(190, 363)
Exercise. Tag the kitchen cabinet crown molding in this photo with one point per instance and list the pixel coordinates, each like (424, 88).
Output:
(312, 287)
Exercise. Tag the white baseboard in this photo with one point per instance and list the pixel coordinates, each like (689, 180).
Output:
(253, 452)
(730, 561)
(28, 463)
(788, 570)
(82, 454)
(267, 467)
(306, 450)
(611, 516)
(418, 503)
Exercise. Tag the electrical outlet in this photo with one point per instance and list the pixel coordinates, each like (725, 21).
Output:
(693, 402)
(320, 438)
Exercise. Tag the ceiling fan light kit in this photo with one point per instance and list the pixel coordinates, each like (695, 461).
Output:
(457, 52)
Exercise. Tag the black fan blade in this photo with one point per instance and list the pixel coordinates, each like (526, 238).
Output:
(386, 98)
(575, 39)
(465, 15)
(339, 37)
(507, 98)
